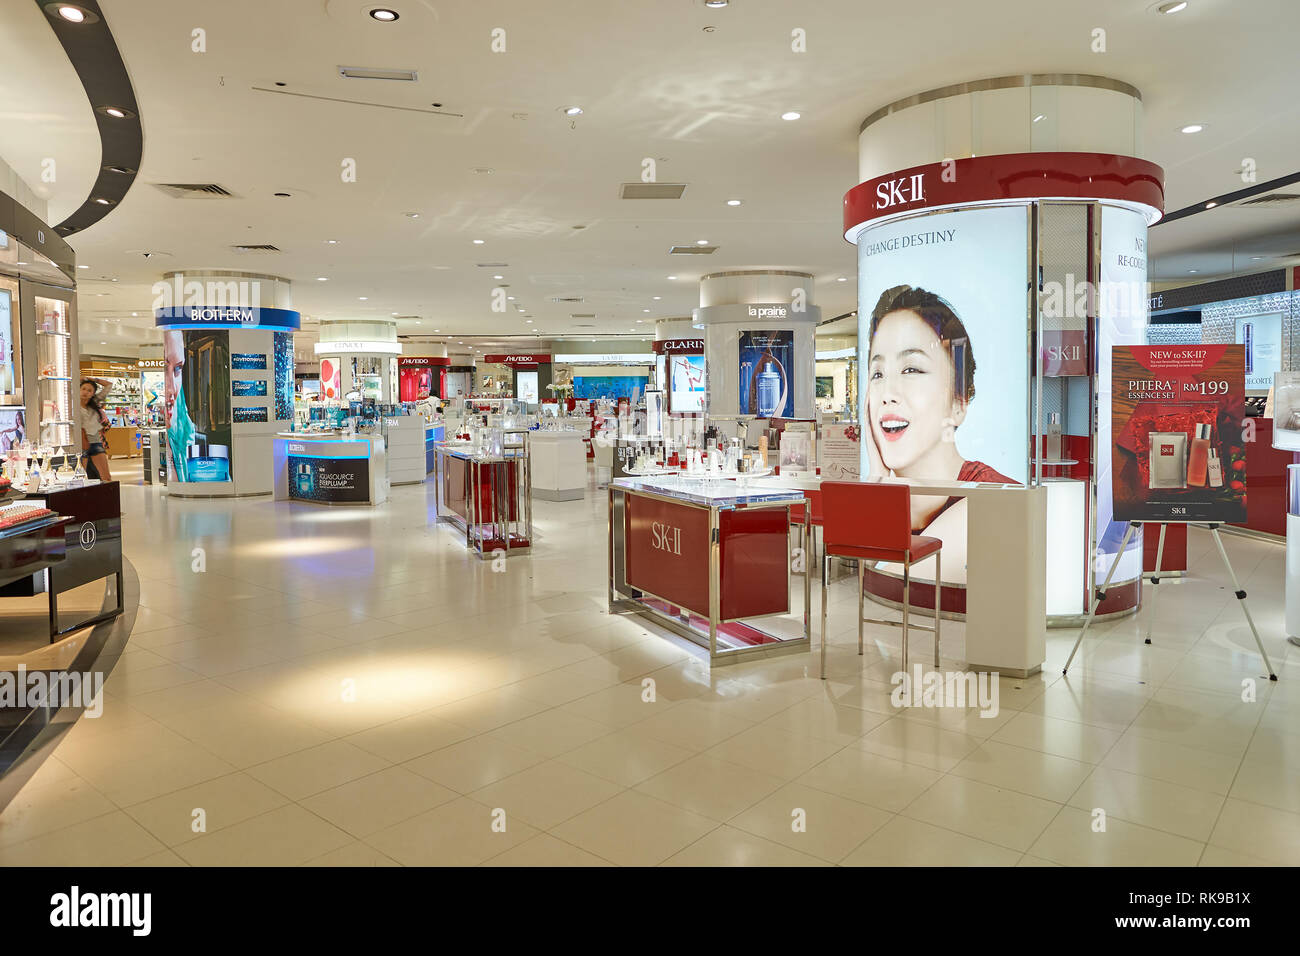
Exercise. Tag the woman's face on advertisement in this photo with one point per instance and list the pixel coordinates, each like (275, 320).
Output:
(174, 354)
(910, 394)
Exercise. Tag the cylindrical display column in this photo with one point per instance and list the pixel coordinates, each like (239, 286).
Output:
(1001, 233)
(358, 358)
(759, 329)
(227, 378)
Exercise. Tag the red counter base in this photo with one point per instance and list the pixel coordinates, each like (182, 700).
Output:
(736, 634)
(886, 587)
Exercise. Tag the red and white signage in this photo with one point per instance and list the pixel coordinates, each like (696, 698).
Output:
(679, 347)
(518, 360)
(1012, 176)
(422, 361)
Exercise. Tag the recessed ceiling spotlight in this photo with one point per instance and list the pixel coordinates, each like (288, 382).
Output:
(363, 298)
(116, 112)
(322, 279)
(412, 215)
(385, 15)
(104, 202)
(716, 4)
(572, 110)
(1039, 118)
(645, 310)
(1256, 258)
(1174, 6)
(791, 115)
(1210, 205)
(842, 279)
(733, 202)
(701, 242)
(331, 242)
(1194, 128)
(83, 267)
(498, 277)
(478, 242)
(120, 170)
(71, 12)
(672, 277)
(1193, 270)
(657, 297)
(484, 170)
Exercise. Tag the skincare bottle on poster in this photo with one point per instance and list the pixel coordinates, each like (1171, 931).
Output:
(769, 391)
(1214, 469)
(1052, 451)
(1198, 457)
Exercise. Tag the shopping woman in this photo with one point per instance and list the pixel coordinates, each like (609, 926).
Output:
(93, 421)
(920, 383)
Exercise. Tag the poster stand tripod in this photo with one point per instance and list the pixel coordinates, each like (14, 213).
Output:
(1155, 582)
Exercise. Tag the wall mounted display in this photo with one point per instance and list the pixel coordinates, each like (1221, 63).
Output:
(1261, 338)
(11, 365)
(331, 379)
(415, 378)
(246, 415)
(248, 388)
(13, 427)
(282, 348)
(767, 373)
(198, 407)
(1176, 417)
(607, 386)
(251, 361)
(689, 387)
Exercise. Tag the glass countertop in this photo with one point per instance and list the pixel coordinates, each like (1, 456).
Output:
(712, 492)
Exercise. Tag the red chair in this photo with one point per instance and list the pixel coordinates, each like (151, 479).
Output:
(872, 521)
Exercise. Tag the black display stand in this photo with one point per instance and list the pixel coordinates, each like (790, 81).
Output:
(1155, 581)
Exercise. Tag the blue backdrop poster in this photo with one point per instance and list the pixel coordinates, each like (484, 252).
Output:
(767, 373)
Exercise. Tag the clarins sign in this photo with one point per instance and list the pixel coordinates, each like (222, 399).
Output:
(679, 346)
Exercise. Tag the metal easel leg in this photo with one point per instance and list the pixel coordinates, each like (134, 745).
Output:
(1101, 592)
(1241, 596)
(1155, 580)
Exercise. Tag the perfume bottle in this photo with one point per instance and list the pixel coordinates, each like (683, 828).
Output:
(1214, 469)
(304, 481)
(769, 391)
(1248, 339)
(1052, 449)
(1198, 457)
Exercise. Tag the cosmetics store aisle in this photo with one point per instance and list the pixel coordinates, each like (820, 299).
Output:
(347, 686)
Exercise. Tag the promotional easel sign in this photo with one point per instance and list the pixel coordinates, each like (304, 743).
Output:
(1177, 417)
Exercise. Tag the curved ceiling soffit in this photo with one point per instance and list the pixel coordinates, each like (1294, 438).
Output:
(93, 53)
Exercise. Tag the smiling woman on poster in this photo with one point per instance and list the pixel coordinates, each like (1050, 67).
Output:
(920, 385)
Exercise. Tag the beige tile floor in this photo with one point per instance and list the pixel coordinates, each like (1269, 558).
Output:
(348, 688)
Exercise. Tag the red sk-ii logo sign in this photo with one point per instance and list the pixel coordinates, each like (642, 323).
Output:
(901, 191)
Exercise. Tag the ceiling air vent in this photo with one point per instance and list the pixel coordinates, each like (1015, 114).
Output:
(194, 190)
(493, 265)
(582, 315)
(255, 250)
(651, 190)
(377, 73)
(567, 298)
(692, 250)
(1270, 199)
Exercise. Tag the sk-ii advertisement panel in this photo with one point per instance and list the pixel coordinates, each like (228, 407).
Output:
(1177, 414)
(767, 373)
(196, 386)
(944, 376)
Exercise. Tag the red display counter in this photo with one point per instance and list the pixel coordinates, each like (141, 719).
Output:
(487, 497)
(705, 558)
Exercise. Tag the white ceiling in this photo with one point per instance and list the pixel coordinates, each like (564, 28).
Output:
(652, 83)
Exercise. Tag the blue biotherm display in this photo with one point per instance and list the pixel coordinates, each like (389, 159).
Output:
(304, 481)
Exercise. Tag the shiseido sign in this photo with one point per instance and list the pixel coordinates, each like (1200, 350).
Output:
(516, 360)
(679, 346)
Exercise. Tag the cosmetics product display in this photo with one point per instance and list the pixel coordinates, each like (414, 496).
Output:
(1168, 459)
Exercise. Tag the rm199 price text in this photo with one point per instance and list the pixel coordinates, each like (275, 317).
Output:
(1205, 388)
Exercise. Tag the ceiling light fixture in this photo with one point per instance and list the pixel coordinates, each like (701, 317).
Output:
(842, 279)
(478, 242)
(71, 13)
(1210, 205)
(1194, 128)
(733, 202)
(412, 215)
(104, 202)
(572, 110)
(363, 298)
(1174, 6)
(498, 277)
(791, 115)
(1193, 270)
(701, 242)
(657, 297)
(322, 279)
(384, 15)
(672, 277)
(116, 112)
(716, 4)
(1039, 117)
(83, 267)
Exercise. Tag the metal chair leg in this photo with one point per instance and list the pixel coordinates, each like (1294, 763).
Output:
(938, 604)
(823, 619)
(862, 580)
(907, 600)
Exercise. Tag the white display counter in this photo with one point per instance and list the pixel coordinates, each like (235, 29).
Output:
(406, 458)
(1006, 579)
(333, 469)
(559, 465)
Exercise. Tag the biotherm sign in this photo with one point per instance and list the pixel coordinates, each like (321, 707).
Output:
(227, 317)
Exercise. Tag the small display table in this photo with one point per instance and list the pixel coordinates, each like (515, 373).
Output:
(559, 465)
(487, 497)
(330, 470)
